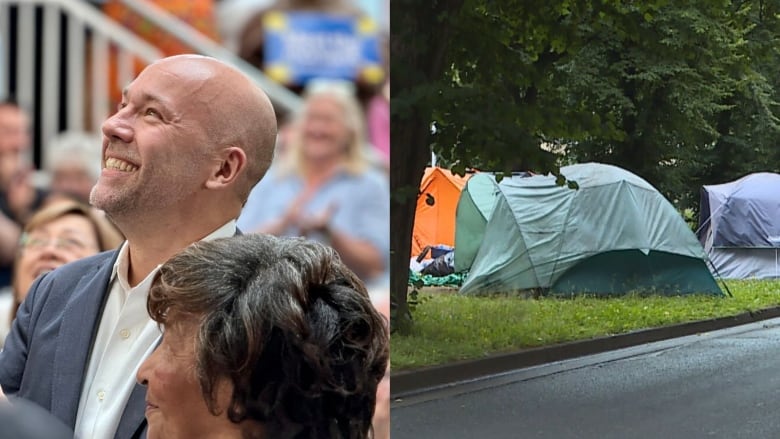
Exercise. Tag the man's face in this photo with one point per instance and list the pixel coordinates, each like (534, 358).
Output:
(155, 148)
(14, 141)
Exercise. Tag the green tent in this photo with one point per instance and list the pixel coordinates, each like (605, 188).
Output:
(475, 208)
(613, 235)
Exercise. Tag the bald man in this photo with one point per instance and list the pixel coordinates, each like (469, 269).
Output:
(190, 139)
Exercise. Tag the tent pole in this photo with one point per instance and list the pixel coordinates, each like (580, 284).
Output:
(717, 273)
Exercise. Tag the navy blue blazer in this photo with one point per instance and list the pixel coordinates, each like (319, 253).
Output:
(47, 352)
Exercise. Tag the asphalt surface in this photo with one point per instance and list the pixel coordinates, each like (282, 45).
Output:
(720, 384)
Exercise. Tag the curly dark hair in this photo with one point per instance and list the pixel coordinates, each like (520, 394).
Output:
(288, 324)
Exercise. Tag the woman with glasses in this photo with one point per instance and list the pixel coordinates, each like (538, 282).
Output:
(58, 233)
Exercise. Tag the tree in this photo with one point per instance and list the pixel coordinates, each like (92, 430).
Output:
(748, 130)
(688, 93)
(661, 86)
(414, 86)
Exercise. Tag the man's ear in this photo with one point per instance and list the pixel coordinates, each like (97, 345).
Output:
(230, 164)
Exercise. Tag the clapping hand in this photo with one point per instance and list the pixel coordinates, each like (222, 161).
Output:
(319, 223)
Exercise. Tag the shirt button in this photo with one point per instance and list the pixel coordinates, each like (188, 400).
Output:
(101, 395)
(125, 333)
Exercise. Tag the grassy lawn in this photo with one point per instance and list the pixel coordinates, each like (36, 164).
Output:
(451, 327)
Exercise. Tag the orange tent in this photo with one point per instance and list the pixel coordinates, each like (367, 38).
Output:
(435, 223)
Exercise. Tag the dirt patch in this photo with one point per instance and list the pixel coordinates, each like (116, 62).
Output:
(439, 290)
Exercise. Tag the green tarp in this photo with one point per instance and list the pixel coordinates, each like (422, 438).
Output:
(450, 280)
(613, 235)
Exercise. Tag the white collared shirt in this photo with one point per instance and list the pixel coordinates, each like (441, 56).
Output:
(6, 303)
(125, 337)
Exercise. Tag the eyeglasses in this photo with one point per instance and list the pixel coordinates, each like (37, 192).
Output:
(62, 243)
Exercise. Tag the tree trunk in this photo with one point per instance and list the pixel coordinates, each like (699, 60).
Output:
(404, 170)
(415, 64)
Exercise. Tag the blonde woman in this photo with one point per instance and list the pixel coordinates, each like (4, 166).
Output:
(324, 188)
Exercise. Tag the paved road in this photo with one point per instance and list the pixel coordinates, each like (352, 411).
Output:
(725, 384)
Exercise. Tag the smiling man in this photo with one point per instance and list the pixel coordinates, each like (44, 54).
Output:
(189, 140)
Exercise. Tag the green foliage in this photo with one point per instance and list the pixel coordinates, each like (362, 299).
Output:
(416, 298)
(691, 220)
(664, 90)
(450, 327)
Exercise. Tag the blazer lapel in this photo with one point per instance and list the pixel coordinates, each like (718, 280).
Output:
(77, 330)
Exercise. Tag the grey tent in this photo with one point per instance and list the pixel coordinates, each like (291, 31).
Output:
(740, 226)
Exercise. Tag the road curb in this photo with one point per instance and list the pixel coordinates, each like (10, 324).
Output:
(411, 382)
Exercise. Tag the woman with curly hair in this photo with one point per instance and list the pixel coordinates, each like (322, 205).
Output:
(263, 337)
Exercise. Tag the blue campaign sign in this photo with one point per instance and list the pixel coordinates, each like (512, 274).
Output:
(300, 46)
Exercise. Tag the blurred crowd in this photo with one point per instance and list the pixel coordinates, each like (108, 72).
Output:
(328, 180)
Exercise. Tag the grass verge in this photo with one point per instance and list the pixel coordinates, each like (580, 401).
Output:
(451, 327)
